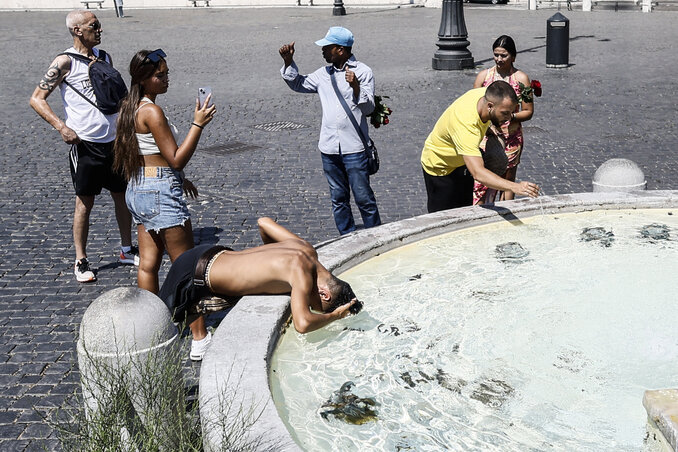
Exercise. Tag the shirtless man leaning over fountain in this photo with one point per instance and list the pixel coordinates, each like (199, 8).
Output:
(284, 264)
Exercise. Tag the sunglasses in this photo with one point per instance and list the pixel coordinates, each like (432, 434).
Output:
(94, 26)
(155, 56)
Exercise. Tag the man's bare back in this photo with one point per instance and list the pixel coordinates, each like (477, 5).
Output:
(284, 264)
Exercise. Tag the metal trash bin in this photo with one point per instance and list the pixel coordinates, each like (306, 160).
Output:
(557, 41)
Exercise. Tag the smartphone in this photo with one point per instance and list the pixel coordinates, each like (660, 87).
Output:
(202, 95)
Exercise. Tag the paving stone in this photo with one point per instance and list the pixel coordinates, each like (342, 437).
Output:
(8, 417)
(14, 445)
(36, 431)
(29, 416)
(40, 389)
(43, 445)
(26, 402)
(11, 431)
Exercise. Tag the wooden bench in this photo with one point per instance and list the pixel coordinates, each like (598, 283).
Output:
(87, 2)
(195, 2)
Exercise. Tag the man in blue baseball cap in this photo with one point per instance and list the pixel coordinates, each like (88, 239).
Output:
(341, 145)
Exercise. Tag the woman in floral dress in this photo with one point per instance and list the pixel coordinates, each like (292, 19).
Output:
(504, 50)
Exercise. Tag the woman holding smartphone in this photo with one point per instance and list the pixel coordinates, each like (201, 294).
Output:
(146, 152)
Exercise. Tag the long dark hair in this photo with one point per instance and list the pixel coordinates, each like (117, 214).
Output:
(126, 148)
(506, 42)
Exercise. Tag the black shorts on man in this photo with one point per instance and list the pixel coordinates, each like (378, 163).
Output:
(180, 290)
(450, 191)
(92, 169)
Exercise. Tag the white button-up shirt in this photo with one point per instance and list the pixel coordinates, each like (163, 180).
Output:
(337, 132)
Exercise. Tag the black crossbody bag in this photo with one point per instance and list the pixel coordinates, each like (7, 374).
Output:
(107, 83)
(370, 148)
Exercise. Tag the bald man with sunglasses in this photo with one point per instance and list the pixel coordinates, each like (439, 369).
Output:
(90, 132)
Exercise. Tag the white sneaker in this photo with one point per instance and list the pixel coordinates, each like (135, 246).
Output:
(130, 257)
(83, 272)
(198, 348)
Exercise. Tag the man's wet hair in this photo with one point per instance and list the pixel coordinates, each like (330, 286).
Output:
(341, 292)
(500, 90)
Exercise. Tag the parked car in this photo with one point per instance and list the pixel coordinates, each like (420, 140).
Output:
(494, 2)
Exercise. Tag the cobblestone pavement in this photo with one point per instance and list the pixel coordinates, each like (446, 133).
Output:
(617, 99)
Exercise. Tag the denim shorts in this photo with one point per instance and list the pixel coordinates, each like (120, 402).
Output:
(156, 198)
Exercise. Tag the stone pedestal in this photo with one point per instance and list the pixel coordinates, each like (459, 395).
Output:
(126, 338)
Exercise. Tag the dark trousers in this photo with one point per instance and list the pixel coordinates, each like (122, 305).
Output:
(449, 192)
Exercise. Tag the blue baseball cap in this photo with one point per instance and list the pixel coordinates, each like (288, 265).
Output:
(337, 35)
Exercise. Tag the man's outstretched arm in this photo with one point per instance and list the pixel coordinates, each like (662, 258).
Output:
(304, 319)
(290, 73)
(305, 296)
(272, 232)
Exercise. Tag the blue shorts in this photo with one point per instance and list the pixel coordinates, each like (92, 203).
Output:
(156, 198)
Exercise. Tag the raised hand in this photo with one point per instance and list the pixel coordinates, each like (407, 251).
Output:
(202, 115)
(352, 79)
(287, 53)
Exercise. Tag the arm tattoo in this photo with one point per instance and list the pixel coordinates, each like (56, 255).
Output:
(48, 82)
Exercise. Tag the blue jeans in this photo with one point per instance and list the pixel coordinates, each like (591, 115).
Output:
(156, 198)
(344, 171)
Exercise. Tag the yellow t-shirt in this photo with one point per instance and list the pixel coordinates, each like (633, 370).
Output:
(457, 133)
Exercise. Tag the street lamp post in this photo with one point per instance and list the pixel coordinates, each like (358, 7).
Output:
(452, 53)
(338, 9)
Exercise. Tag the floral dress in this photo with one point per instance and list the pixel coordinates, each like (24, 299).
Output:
(513, 136)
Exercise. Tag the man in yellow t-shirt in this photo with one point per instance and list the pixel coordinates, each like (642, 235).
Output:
(451, 157)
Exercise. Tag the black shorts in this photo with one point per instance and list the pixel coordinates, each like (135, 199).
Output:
(449, 192)
(179, 291)
(92, 169)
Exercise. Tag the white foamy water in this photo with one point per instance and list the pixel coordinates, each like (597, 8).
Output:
(465, 352)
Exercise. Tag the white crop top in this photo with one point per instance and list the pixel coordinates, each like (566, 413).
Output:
(146, 141)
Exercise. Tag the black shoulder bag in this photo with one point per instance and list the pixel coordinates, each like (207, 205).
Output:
(370, 148)
(107, 83)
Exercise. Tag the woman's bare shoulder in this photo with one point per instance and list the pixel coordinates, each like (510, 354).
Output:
(480, 78)
(521, 77)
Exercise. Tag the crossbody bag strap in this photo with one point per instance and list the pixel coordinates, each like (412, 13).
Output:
(348, 111)
(81, 58)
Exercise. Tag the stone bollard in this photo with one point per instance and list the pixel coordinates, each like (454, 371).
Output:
(126, 349)
(621, 175)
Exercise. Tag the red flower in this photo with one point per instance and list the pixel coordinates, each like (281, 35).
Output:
(536, 87)
(380, 114)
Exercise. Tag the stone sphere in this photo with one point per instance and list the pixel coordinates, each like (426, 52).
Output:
(619, 175)
(125, 320)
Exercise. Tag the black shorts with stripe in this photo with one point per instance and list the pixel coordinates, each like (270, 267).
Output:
(92, 169)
